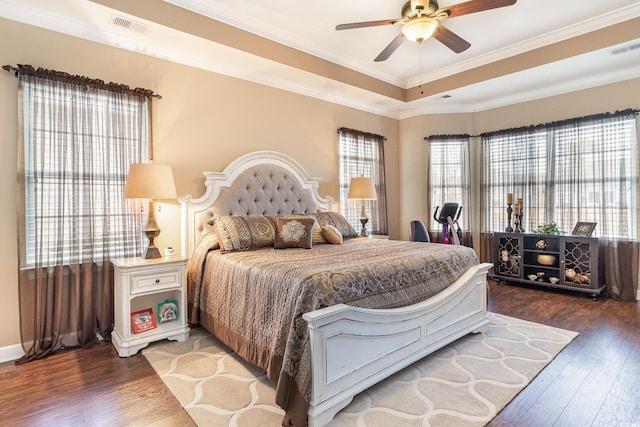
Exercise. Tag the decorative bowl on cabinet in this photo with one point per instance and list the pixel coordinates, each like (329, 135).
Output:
(545, 259)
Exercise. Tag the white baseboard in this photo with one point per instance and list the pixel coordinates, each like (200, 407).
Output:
(15, 352)
(638, 295)
(11, 352)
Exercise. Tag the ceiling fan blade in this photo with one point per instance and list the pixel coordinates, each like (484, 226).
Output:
(473, 6)
(391, 47)
(450, 39)
(366, 24)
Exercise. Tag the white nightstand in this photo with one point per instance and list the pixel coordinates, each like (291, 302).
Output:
(145, 283)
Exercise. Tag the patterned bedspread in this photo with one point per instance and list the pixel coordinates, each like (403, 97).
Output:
(253, 301)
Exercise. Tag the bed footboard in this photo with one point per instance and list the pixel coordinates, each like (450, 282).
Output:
(354, 348)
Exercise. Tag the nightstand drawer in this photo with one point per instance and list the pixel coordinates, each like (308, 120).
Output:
(158, 279)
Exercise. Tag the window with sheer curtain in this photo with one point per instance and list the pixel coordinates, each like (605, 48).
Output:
(582, 169)
(362, 154)
(78, 148)
(449, 175)
(78, 137)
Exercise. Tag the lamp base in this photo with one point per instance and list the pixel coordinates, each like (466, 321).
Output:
(152, 231)
(363, 232)
(151, 253)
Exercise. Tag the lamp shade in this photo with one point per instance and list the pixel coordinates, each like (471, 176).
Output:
(150, 181)
(419, 29)
(362, 187)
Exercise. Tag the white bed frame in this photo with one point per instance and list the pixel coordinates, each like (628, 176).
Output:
(354, 348)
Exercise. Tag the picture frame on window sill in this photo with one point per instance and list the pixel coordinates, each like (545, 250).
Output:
(584, 228)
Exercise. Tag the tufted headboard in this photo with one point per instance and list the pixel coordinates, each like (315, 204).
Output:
(258, 183)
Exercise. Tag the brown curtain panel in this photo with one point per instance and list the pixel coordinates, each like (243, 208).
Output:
(486, 247)
(621, 268)
(77, 140)
(467, 237)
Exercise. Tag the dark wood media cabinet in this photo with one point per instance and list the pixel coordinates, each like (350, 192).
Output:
(566, 262)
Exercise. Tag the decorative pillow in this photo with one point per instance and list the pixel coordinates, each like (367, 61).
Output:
(332, 234)
(294, 233)
(338, 221)
(316, 232)
(244, 233)
(209, 240)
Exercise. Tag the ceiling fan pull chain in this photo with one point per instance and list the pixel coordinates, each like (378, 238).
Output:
(421, 54)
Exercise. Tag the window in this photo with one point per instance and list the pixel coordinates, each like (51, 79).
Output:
(78, 145)
(449, 175)
(578, 170)
(362, 154)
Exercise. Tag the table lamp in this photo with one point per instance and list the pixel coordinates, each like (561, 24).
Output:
(150, 181)
(362, 188)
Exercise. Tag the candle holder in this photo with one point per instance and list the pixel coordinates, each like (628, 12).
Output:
(516, 223)
(520, 221)
(509, 228)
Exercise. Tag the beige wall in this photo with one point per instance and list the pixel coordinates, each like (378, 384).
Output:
(414, 156)
(206, 120)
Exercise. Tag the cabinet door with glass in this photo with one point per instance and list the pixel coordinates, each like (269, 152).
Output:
(582, 264)
(508, 256)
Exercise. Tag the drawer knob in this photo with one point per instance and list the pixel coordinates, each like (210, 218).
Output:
(157, 280)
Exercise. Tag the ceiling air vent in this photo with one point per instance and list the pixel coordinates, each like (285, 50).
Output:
(128, 24)
(441, 97)
(625, 49)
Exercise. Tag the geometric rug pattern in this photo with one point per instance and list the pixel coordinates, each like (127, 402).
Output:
(464, 384)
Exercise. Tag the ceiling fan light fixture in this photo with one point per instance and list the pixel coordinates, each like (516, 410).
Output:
(419, 29)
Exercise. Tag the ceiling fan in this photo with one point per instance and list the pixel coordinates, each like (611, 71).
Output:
(420, 19)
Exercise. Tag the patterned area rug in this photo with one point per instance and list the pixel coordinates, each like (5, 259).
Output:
(465, 384)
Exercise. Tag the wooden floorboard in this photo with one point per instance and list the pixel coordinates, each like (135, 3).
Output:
(595, 381)
(88, 387)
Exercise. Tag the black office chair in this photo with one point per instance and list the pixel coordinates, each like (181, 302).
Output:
(419, 232)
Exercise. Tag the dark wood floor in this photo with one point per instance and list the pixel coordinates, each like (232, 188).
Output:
(87, 387)
(595, 381)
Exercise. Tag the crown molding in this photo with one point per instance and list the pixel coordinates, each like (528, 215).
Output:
(584, 27)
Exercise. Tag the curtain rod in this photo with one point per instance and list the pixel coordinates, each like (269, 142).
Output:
(564, 122)
(449, 136)
(343, 129)
(625, 112)
(61, 76)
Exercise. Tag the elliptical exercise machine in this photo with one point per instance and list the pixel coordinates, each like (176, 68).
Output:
(449, 215)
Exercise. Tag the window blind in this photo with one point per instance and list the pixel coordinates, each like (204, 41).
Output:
(579, 170)
(449, 175)
(79, 144)
(362, 154)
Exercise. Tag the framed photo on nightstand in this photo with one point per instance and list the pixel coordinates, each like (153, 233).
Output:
(143, 320)
(168, 310)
